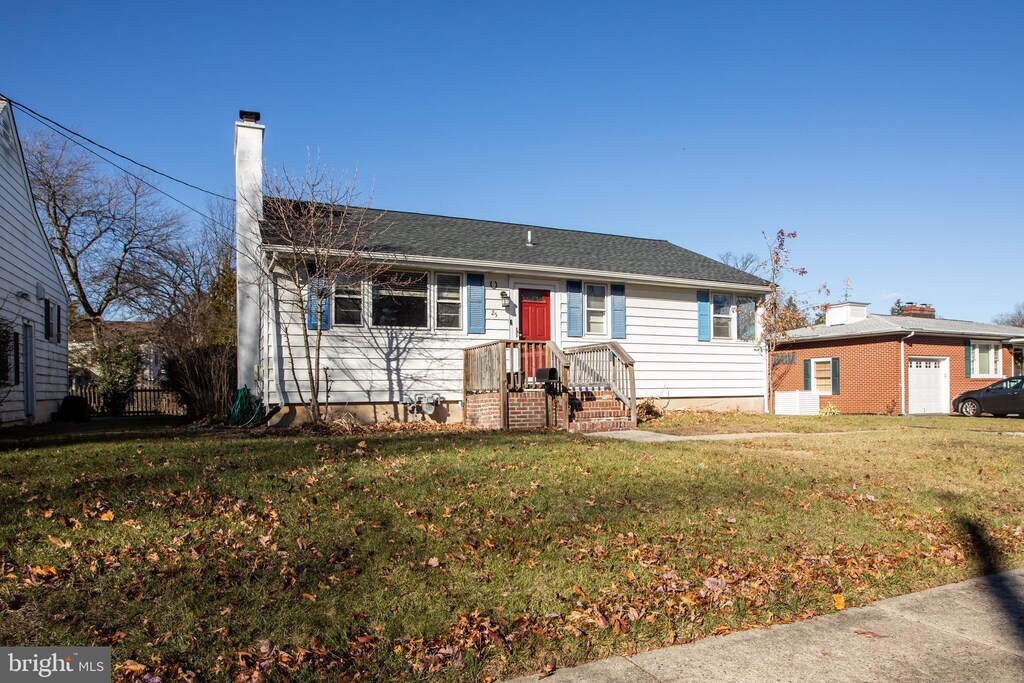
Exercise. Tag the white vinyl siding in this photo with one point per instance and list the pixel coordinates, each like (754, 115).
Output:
(384, 364)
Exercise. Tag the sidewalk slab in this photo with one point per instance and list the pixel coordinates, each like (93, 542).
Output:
(972, 630)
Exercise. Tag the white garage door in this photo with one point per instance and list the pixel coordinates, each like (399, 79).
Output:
(929, 382)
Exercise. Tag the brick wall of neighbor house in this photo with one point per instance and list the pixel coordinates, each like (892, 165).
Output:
(869, 369)
(869, 374)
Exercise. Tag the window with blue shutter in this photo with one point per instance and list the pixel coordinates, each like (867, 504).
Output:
(477, 303)
(808, 375)
(835, 376)
(703, 315)
(618, 311)
(574, 308)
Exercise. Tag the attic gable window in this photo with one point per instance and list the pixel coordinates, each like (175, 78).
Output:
(400, 299)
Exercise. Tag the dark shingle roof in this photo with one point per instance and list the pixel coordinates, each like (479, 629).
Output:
(426, 235)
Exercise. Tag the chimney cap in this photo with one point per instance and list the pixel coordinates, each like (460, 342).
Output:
(249, 116)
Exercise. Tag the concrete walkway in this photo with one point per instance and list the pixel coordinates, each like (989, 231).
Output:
(969, 631)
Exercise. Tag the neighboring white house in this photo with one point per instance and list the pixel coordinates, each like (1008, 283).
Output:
(33, 297)
(688, 322)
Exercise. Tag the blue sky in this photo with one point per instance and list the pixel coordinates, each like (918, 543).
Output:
(890, 136)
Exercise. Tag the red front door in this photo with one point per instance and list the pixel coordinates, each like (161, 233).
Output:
(535, 325)
(535, 314)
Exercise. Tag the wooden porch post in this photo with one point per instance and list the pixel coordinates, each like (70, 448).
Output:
(503, 386)
(632, 395)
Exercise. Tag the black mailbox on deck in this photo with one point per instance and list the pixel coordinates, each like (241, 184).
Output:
(546, 375)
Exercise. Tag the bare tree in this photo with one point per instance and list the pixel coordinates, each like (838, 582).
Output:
(109, 232)
(1014, 318)
(748, 262)
(783, 312)
(318, 233)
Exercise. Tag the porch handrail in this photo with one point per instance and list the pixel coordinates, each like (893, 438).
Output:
(607, 365)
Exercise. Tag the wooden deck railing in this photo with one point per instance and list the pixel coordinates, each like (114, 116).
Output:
(505, 366)
(605, 366)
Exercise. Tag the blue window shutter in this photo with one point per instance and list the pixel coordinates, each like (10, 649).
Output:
(703, 315)
(808, 376)
(835, 375)
(317, 309)
(618, 311)
(477, 309)
(574, 308)
(311, 305)
(968, 358)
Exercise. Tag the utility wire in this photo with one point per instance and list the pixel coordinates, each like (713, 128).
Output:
(60, 130)
(38, 116)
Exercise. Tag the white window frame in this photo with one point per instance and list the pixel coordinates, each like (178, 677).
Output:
(461, 302)
(997, 365)
(605, 333)
(814, 376)
(731, 316)
(362, 304)
(734, 317)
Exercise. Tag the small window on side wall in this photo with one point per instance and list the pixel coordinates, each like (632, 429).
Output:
(348, 302)
(985, 360)
(721, 316)
(449, 301)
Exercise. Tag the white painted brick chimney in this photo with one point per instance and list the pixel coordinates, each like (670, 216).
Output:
(248, 213)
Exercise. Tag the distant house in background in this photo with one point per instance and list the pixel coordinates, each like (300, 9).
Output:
(893, 364)
(143, 332)
(33, 297)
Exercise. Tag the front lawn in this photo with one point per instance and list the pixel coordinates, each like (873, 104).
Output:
(461, 556)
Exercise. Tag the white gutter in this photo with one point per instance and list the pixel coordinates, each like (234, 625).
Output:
(903, 375)
(533, 269)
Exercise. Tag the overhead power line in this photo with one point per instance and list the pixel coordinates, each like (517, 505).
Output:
(43, 118)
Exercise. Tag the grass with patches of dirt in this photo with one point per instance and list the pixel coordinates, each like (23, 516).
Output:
(467, 555)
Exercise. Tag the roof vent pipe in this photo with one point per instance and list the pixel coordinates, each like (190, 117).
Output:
(529, 238)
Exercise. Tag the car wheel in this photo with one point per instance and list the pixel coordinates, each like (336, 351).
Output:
(970, 408)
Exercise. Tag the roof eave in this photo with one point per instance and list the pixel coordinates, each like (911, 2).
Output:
(529, 268)
(898, 333)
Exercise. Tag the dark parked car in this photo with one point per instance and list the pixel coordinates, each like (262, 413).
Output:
(1005, 397)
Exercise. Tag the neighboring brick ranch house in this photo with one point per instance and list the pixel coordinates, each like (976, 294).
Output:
(908, 364)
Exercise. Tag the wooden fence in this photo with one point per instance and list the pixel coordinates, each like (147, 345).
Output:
(141, 401)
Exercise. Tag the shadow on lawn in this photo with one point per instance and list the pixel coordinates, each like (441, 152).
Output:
(990, 562)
